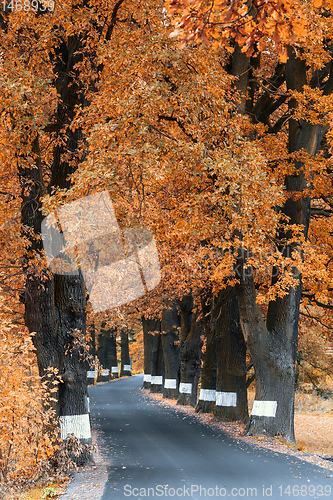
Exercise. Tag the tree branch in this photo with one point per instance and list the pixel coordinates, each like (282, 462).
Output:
(113, 19)
(317, 302)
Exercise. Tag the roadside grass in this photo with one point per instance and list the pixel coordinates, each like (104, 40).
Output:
(314, 423)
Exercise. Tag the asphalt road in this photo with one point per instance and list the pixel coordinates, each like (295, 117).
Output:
(158, 452)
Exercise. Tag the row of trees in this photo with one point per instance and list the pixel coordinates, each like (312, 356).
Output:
(173, 360)
(103, 353)
(221, 147)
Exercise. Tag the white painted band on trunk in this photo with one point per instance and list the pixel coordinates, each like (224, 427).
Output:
(127, 368)
(264, 408)
(105, 372)
(207, 395)
(170, 383)
(147, 377)
(157, 380)
(79, 425)
(185, 388)
(90, 374)
(114, 369)
(88, 404)
(226, 399)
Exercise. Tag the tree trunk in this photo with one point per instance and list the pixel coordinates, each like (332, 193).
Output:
(112, 354)
(231, 389)
(70, 318)
(273, 346)
(92, 349)
(170, 339)
(157, 362)
(107, 352)
(148, 325)
(55, 314)
(206, 402)
(190, 353)
(125, 369)
(272, 357)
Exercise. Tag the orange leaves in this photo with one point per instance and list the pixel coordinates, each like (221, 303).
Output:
(284, 22)
(325, 4)
(27, 422)
(313, 105)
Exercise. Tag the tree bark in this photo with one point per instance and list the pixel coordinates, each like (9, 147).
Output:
(170, 325)
(190, 353)
(112, 354)
(107, 352)
(148, 325)
(272, 356)
(240, 65)
(231, 388)
(125, 369)
(207, 395)
(157, 361)
(70, 318)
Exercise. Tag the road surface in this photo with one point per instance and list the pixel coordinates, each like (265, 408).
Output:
(158, 452)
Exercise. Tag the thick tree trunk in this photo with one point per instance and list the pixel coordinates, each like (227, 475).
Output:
(55, 314)
(207, 394)
(157, 362)
(231, 390)
(272, 356)
(148, 325)
(125, 369)
(170, 326)
(190, 353)
(70, 318)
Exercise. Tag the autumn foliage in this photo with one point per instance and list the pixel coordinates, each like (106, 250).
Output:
(28, 436)
(200, 142)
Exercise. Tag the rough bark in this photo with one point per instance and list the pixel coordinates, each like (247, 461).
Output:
(107, 351)
(190, 352)
(240, 65)
(148, 325)
(70, 305)
(231, 359)
(112, 354)
(157, 361)
(206, 402)
(170, 326)
(272, 357)
(124, 353)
